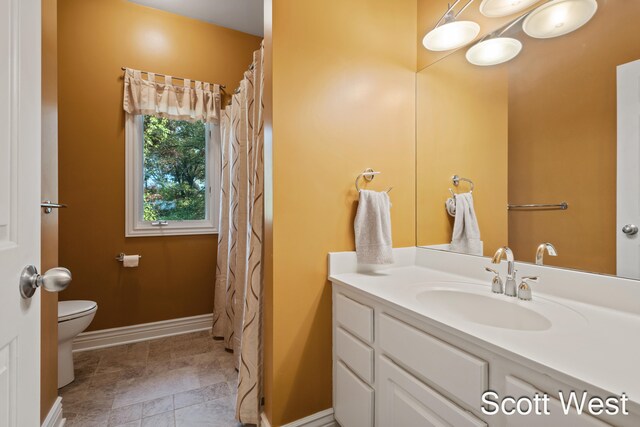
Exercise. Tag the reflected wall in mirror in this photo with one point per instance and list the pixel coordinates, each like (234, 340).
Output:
(544, 127)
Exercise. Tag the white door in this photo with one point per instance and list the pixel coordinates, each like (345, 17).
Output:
(628, 194)
(19, 210)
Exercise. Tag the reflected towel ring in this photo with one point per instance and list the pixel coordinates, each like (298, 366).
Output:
(456, 181)
(368, 174)
(450, 204)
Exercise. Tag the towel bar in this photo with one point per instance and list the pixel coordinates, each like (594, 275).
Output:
(563, 206)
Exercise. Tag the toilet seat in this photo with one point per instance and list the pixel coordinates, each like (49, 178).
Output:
(69, 310)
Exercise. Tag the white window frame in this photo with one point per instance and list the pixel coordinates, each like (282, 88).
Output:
(134, 225)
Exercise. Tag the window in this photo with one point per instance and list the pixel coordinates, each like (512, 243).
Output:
(173, 170)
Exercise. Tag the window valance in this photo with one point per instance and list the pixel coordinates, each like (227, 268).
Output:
(147, 96)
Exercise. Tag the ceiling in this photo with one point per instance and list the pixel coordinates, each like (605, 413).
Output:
(240, 15)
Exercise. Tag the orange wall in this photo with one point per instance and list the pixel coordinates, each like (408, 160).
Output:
(343, 100)
(562, 139)
(462, 126)
(49, 224)
(176, 275)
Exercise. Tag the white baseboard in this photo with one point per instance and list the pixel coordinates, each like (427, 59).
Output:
(54, 417)
(147, 331)
(319, 419)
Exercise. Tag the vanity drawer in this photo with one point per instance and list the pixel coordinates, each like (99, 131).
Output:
(405, 401)
(354, 317)
(357, 355)
(461, 374)
(354, 399)
(518, 388)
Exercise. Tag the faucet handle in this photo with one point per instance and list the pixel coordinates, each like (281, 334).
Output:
(496, 283)
(524, 290)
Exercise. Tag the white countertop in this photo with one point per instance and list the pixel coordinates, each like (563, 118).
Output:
(597, 345)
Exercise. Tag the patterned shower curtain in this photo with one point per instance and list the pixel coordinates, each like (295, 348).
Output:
(238, 288)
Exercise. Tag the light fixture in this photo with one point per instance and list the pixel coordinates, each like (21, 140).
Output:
(450, 34)
(559, 17)
(500, 8)
(494, 51)
(495, 48)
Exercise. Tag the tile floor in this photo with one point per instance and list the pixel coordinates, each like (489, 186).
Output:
(182, 381)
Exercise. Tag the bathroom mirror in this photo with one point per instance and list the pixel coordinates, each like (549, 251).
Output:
(559, 122)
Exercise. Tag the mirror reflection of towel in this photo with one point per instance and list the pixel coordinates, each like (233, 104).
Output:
(373, 228)
(466, 232)
(450, 206)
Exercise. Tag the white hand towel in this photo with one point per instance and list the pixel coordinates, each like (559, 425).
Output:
(450, 205)
(373, 228)
(466, 232)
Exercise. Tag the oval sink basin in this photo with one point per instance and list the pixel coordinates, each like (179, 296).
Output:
(490, 310)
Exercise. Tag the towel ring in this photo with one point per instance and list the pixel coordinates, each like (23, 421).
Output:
(456, 181)
(368, 174)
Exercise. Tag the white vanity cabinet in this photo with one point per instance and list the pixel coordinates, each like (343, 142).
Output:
(395, 369)
(371, 387)
(353, 364)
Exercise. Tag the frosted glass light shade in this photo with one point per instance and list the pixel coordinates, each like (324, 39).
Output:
(500, 8)
(559, 17)
(494, 51)
(451, 35)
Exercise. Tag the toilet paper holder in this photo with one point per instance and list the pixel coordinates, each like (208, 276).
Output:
(120, 257)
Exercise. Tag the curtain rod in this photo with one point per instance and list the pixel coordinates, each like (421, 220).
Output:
(177, 78)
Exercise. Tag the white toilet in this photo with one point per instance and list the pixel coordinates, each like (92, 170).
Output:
(73, 318)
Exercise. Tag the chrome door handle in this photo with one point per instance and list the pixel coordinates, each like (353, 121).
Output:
(54, 280)
(630, 229)
(49, 206)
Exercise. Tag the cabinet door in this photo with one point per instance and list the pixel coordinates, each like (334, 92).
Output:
(354, 399)
(517, 388)
(405, 401)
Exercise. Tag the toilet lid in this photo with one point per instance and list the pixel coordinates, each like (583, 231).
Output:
(68, 310)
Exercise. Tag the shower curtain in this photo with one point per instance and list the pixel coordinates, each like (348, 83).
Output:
(238, 288)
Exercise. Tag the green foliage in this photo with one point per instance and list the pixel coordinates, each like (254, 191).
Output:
(174, 169)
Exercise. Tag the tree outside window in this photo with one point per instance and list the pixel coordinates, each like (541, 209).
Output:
(175, 170)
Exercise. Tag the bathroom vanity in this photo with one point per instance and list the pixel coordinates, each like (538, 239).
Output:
(420, 342)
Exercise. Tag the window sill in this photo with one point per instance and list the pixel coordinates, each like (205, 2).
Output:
(151, 231)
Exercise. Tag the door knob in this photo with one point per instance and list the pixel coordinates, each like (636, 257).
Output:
(54, 280)
(630, 229)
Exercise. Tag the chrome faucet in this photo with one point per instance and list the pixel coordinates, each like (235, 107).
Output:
(510, 288)
(540, 252)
